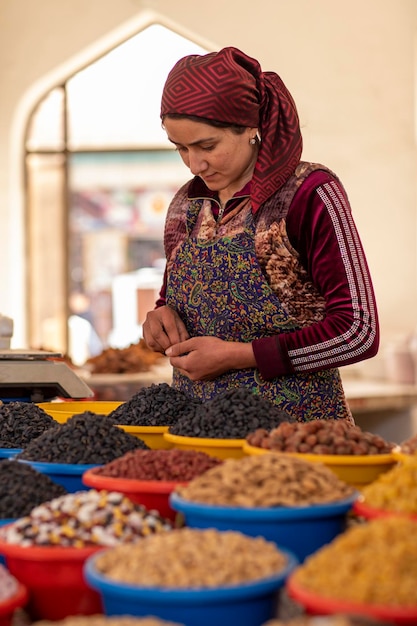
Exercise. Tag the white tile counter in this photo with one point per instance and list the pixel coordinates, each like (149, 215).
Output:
(381, 407)
(370, 395)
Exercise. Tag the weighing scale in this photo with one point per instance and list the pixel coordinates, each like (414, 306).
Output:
(38, 376)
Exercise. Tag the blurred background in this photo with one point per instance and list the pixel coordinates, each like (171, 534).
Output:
(86, 172)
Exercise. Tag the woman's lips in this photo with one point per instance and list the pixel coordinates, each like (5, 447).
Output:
(209, 177)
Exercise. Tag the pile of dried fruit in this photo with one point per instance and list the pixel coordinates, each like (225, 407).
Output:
(85, 518)
(409, 446)
(104, 620)
(135, 358)
(21, 422)
(320, 437)
(373, 563)
(164, 465)
(267, 480)
(158, 404)
(8, 584)
(231, 414)
(85, 438)
(33, 488)
(192, 558)
(396, 490)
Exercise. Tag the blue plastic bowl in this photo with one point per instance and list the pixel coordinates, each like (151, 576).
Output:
(250, 603)
(66, 474)
(300, 529)
(3, 522)
(8, 453)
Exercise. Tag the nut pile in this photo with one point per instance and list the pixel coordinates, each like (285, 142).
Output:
(320, 437)
(192, 558)
(395, 490)
(156, 405)
(372, 563)
(32, 487)
(409, 446)
(168, 465)
(8, 584)
(85, 518)
(267, 480)
(86, 438)
(20, 422)
(230, 415)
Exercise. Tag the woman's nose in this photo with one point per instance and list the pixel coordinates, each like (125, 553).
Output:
(197, 165)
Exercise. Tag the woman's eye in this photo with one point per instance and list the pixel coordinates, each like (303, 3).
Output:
(207, 148)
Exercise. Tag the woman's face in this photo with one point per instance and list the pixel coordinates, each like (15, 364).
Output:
(224, 160)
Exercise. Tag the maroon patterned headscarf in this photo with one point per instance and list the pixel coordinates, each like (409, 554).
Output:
(229, 86)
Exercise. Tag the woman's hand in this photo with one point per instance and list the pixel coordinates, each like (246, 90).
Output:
(163, 328)
(205, 358)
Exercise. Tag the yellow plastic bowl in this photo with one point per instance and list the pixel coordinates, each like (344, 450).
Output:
(153, 436)
(404, 457)
(355, 470)
(62, 411)
(219, 448)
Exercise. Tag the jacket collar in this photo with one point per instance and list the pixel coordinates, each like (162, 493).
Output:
(198, 189)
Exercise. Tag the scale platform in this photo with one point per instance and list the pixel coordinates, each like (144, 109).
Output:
(38, 376)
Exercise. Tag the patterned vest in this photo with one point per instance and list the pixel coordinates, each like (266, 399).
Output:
(240, 279)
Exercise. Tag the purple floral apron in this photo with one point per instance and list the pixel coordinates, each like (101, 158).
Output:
(218, 289)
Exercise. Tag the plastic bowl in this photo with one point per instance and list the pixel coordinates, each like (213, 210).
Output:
(250, 604)
(219, 448)
(62, 411)
(9, 453)
(69, 475)
(153, 436)
(9, 606)
(355, 470)
(3, 522)
(362, 509)
(404, 457)
(54, 579)
(302, 530)
(319, 605)
(153, 494)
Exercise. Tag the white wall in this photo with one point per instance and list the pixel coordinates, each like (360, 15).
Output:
(350, 67)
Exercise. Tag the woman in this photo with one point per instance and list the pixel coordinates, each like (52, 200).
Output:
(266, 282)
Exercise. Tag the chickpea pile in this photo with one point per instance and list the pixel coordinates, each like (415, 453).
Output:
(373, 563)
(320, 437)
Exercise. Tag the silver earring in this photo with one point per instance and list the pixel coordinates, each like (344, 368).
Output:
(252, 141)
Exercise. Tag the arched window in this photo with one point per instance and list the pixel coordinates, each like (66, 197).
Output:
(99, 175)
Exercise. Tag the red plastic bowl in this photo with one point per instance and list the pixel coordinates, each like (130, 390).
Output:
(8, 607)
(369, 512)
(53, 577)
(319, 605)
(153, 494)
